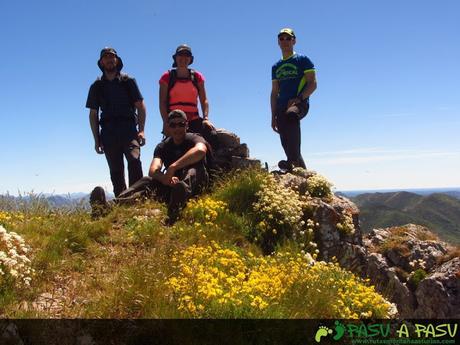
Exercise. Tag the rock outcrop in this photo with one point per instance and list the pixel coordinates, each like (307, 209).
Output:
(415, 270)
(407, 264)
(231, 154)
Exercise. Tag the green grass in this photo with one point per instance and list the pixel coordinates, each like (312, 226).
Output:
(120, 266)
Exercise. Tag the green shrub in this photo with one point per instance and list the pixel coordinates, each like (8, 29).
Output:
(416, 277)
(238, 190)
(318, 186)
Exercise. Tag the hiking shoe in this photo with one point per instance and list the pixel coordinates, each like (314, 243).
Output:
(98, 202)
(177, 201)
(285, 165)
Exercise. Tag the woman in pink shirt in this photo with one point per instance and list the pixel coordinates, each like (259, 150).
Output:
(180, 88)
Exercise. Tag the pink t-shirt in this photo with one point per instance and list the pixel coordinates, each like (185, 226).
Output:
(184, 95)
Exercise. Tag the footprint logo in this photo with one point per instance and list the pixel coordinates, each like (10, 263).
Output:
(322, 332)
(339, 330)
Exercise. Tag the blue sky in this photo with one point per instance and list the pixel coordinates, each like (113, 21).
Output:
(385, 114)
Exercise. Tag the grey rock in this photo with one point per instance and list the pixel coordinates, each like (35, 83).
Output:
(244, 163)
(388, 283)
(231, 154)
(295, 182)
(227, 139)
(386, 256)
(241, 151)
(415, 246)
(331, 241)
(438, 295)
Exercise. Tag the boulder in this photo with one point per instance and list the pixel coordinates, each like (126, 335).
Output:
(244, 163)
(227, 139)
(438, 295)
(231, 154)
(395, 253)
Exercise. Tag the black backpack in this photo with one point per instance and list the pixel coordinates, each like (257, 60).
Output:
(125, 78)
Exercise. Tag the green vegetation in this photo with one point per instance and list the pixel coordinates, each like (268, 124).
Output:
(212, 263)
(439, 212)
(398, 241)
(416, 277)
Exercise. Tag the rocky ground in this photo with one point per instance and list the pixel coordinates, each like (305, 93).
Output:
(408, 264)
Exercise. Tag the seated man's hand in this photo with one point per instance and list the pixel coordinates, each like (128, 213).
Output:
(169, 178)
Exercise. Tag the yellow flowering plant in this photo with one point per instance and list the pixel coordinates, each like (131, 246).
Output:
(318, 186)
(205, 210)
(212, 281)
(11, 218)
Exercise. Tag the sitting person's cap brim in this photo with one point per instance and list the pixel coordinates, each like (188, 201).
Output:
(177, 114)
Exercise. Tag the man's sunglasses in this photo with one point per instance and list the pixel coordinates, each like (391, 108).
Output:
(177, 124)
(184, 54)
(289, 38)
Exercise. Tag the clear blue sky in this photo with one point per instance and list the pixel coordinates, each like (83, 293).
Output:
(386, 113)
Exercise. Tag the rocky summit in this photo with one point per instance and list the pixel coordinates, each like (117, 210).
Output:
(408, 264)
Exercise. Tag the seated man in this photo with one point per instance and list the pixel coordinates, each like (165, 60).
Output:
(183, 155)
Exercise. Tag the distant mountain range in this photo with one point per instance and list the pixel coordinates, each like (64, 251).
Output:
(54, 201)
(440, 212)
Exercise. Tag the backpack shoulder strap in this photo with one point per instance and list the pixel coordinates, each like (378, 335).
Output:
(171, 82)
(193, 78)
(125, 79)
(172, 79)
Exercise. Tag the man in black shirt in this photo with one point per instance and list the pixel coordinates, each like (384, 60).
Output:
(184, 157)
(120, 128)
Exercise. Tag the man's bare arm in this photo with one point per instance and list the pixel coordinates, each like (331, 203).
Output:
(94, 124)
(273, 98)
(141, 116)
(194, 155)
(155, 171)
(310, 82)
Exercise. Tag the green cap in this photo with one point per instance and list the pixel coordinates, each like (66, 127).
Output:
(287, 31)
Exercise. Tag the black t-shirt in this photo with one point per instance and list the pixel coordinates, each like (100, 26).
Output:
(169, 152)
(115, 98)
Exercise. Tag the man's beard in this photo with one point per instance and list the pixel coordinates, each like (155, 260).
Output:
(111, 68)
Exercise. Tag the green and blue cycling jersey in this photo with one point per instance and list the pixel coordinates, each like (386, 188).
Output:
(290, 75)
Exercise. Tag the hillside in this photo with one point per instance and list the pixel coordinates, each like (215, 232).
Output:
(439, 212)
(246, 249)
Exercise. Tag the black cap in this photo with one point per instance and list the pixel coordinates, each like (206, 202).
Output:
(287, 31)
(182, 48)
(109, 50)
(177, 114)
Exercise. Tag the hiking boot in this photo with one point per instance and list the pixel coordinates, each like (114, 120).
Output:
(98, 202)
(285, 165)
(177, 201)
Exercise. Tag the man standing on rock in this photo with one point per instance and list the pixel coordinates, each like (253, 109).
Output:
(119, 131)
(293, 81)
(184, 158)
